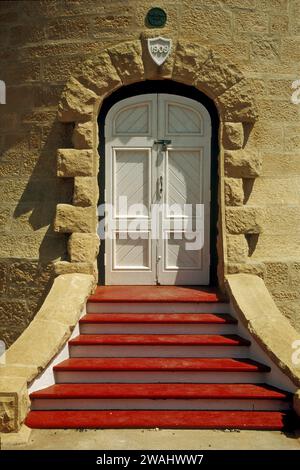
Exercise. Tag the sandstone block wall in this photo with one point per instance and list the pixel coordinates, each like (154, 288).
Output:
(45, 43)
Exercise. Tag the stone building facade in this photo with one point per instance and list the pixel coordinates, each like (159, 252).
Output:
(61, 59)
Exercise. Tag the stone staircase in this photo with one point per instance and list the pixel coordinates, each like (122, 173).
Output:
(160, 357)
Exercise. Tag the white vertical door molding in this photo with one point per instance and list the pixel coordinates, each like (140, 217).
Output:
(147, 173)
(184, 251)
(129, 166)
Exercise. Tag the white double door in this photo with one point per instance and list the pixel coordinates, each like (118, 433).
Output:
(157, 194)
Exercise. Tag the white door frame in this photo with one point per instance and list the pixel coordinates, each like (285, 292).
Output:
(155, 269)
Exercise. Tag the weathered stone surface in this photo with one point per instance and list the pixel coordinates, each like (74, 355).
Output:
(269, 327)
(215, 76)
(294, 273)
(233, 135)
(234, 192)
(14, 440)
(65, 267)
(242, 163)
(72, 162)
(250, 267)
(188, 60)
(244, 219)
(83, 247)
(83, 135)
(14, 402)
(66, 299)
(277, 275)
(237, 248)
(291, 310)
(77, 102)
(100, 75)
(52, 326)
(237, 104)
(70, 219)
(127, 59)
(85, 191)
(38, 343)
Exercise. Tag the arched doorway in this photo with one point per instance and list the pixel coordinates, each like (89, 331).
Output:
(185, 171)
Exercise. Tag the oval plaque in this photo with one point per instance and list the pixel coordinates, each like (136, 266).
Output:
(156, 17)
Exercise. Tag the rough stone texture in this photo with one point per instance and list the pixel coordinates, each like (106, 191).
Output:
(85, 191)
(215, 77)
(39, 344)
(100, 75)
(83, 135)
(264, 321)
(242, 163)
(64, 267)
(66, 299)
(77, 102)
(83, 247)
(244, 220)
(233, 135)
(74, 163)
(63, 61)
(250, 267)
(189, 58)
(234, 192)
(237, 248)
(237, 104)
(127, 59)
(14, 402)
(71, 219)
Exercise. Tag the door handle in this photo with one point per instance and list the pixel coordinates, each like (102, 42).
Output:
(163, 143)
(160, 185)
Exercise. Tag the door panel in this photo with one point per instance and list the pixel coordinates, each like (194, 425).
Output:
(132, 173)
(155, 243)
(185, 169)
(129, 165)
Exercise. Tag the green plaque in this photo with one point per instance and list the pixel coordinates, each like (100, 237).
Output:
(156, 17)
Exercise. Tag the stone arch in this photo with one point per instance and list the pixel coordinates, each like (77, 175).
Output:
(129, 62)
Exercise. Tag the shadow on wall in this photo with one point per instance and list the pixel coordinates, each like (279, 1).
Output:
(44, 191)
(28, 160)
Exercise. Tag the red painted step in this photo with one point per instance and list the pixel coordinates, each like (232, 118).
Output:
(161, 364)
(154, 294)
(157, 339)
(158, 419)
(164, 318)
(162, 390)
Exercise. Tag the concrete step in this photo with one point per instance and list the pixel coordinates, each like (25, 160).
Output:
(135, 323)
(160, 396)
(267, 420)
(158, 346)
(160, 370)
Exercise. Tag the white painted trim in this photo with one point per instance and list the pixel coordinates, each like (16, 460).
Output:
(157, 307)
(159, 404)
(120, 376)
(276, 377)
(47, 376)
(177, 350)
